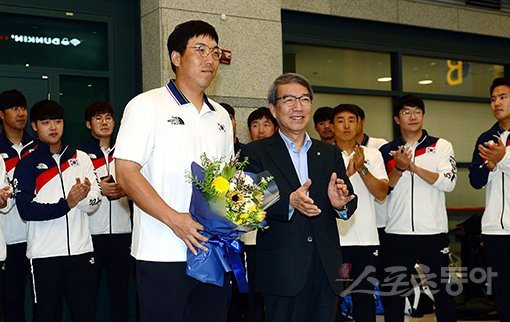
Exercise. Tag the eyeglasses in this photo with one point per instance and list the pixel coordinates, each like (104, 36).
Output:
(408, 113)
(290, 100)
(205, 50)
(101, 119)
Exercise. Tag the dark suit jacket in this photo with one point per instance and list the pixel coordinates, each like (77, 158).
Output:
(284, 252)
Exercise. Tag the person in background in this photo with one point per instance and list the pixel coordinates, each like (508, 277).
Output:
(298, 256)
(490, 168)
(56, 190)
(261, 123)
(110, 224)
(162, 132)
(358, 235)
(5, 196)
(15, 142)
(323, 126)
(421, 168)
(232, 113)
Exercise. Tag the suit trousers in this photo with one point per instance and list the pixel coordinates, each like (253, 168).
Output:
(316, 302)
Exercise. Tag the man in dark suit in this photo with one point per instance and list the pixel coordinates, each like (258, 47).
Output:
(298, 256)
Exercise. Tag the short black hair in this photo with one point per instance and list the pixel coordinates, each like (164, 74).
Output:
(46, 110)
(229, 109)
(97, 107)
(12, 98)
(410, 100)
(260, 113)
(351, 108)
(500, 81)
(178, 39)
(322, 114)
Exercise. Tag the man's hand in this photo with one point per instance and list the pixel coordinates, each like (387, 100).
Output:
(350, 168)
(492, 152)
(5, 194)
(188, 229)
(402, 157)
(78, 192)
(338, 193)
(358, 158)
(300, 200)
(111, 189)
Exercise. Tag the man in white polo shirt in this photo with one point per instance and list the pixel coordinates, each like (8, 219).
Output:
(358, 234)
(162, 132)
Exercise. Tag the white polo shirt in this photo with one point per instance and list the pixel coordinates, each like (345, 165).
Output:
(164, 133)
(361, 228)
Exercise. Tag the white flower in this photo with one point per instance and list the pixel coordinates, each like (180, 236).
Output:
(247, 180)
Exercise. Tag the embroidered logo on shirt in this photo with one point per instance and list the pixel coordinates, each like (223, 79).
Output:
(221, 127)
(4, 156)
(175, 120)
(92, 156)
(445, 250)
(431, 149)
(42, 166)
(73, 162)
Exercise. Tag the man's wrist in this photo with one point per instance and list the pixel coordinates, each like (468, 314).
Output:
(363, 171)
(400, 169)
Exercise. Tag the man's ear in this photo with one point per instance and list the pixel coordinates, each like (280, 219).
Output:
(34, 126)
(87, 124)
(175, 57)
(2, 114)
(395, 118)
(272, 108)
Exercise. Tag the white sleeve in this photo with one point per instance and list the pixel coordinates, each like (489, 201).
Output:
(376, 165)
(4, 182)
(504, 164)
(90, 203)
(135, 140)
(446, 167)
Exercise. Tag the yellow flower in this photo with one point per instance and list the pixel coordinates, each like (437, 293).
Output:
(236, 197)
(221, 185)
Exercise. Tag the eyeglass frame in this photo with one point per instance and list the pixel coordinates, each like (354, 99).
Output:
(407, 113)
(100, 119)
(209, 50)
(294, 99)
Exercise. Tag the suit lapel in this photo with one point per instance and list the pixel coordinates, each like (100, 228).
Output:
(281, 158)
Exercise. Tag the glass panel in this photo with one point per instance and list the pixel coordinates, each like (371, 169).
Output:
(76, 93)
(464, 195)
(378, 112)
(449, 77)
(443, 119)
(52, 42)
(337, 67)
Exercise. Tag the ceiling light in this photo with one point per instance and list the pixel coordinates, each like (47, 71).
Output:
(425, 81)
(384, 79)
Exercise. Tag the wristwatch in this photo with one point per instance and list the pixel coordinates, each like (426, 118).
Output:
(363, 170)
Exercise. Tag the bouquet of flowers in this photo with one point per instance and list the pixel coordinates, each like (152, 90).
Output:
(228, 202)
